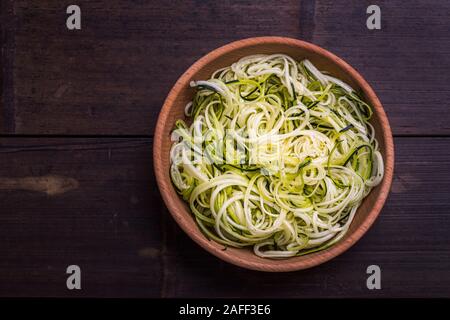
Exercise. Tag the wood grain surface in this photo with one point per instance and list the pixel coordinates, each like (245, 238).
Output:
(69, 100)
(113, 75)
(116, 228)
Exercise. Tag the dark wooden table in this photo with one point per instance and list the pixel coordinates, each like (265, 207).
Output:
(77, 115)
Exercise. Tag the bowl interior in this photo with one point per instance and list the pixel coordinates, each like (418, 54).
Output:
(181, 94)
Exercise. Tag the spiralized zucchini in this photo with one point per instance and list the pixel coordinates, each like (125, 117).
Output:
(278, 156)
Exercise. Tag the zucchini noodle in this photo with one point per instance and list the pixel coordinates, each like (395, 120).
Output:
(278, 156)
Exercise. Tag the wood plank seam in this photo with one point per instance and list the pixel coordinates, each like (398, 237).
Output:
(307, 17)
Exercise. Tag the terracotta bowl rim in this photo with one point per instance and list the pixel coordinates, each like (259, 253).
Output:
(180, 214)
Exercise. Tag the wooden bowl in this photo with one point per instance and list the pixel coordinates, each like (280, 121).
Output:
(181, 94)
